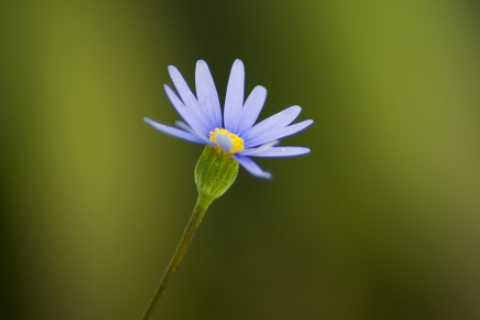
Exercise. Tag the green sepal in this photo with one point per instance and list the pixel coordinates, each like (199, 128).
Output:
(215, 173)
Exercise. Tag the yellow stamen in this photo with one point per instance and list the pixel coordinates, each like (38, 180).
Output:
(237, 142)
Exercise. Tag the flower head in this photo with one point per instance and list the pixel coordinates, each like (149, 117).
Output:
(236, 135)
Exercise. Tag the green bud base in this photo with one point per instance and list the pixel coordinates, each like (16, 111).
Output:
(215, 173)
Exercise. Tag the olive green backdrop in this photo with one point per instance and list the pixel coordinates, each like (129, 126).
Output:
(380, 221)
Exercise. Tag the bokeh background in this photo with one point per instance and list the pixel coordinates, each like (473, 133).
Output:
(380, 221)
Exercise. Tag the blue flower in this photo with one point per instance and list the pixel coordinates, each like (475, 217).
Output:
(236, 134)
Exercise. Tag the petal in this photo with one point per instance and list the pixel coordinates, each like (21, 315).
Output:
(251, 109)
(187, 114)
(182, 87)
(254, 169)
(187, 95)
(234, 98)
(279, 120)
(253, 151)
(185, 127)
(173, 131)
(207, 95)
(278, 152)
(277, 134)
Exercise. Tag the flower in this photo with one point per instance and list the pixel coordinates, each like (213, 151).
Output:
(236, 134)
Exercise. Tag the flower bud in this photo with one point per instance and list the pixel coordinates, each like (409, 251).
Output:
(215, 173)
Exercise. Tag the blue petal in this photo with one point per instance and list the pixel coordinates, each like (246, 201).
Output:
(185, 127)
(251, 109)
(186, 113)
(253, 151)
(277, 134)
(278, 152)
(173, 131)
(234, 98)
(188, 98)
(249, 165)
(279, 120)
(207, 95)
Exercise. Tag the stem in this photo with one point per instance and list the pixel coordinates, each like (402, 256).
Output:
(200, 207)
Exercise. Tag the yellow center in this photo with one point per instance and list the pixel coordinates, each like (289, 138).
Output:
(237, 142)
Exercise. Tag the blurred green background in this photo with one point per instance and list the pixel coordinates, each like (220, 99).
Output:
(380, 221)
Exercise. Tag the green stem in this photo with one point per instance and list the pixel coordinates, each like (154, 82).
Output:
(201, 206)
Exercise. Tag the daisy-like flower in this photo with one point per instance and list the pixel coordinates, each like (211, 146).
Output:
(236, 133)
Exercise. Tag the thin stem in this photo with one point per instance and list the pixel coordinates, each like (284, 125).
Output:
(201, 206)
